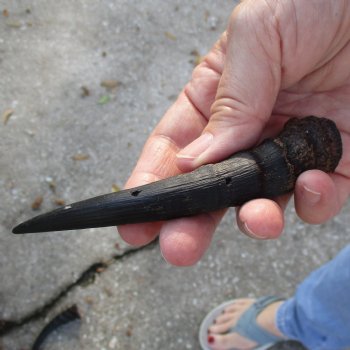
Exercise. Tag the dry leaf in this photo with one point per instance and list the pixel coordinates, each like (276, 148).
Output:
(89, 300)
(109, 84)
(115, 188)
(170, 36)
(6, 115)
(5, 13)
(100, 269)
(37, 203)
(14, 24)
(85, 91)
(80, 156)
(197, 57)
(128, 332)
(52, 184)
(59, 201)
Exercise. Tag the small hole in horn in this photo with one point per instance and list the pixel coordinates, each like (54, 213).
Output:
(136, 193)
(228, 181)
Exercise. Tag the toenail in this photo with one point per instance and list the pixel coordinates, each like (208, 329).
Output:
(211, 339)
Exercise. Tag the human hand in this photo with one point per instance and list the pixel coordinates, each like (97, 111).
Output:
(276, 60)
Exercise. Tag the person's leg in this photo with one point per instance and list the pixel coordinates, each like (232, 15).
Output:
(319, 313)
(241, 324)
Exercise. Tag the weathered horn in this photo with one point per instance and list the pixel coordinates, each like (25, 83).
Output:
(265, 171)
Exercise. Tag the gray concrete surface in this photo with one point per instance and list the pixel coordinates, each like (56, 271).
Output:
(48, 51)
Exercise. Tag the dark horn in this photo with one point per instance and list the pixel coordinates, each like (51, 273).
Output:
(265, 171)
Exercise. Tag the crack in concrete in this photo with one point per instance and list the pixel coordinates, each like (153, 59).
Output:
(86, 277)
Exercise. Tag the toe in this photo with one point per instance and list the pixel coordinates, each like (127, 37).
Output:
(219, 332)
(223, 327)
(239, 305)
(225, 341)
(224, 317)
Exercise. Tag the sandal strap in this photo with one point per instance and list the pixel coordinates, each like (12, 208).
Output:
(248, 327)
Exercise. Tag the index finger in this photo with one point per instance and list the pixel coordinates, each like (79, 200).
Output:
(181, 124)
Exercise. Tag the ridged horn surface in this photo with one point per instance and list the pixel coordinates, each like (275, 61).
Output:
(265, 171)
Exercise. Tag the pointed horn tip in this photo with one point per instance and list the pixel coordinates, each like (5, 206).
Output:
(19, 229)
(24, 227)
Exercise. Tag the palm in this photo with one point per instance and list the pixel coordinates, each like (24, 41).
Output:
(317, 84)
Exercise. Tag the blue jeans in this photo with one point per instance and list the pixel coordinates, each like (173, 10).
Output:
(319, 313)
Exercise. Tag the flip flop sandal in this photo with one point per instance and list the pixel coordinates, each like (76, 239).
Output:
(246, 325)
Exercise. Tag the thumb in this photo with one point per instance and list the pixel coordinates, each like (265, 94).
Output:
(247, 89)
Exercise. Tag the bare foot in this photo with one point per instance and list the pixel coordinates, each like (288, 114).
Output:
(217, 338)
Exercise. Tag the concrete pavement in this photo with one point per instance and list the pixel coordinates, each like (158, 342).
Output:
(67, 137)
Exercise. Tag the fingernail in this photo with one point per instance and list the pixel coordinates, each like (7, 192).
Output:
(312, 197)
(197, 147)
(163, 256)
(248, 230)
(211, 339)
